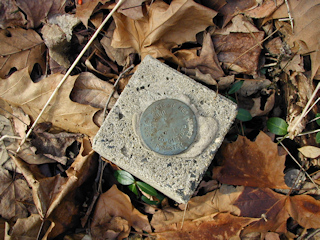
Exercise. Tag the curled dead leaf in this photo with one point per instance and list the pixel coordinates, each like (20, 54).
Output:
(114, 215)
(310, 151)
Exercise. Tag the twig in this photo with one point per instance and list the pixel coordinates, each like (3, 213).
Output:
(289, 14)
(7, 136)
(70, 70)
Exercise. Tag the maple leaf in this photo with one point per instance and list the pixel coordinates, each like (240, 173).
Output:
(20, 90)
(165, 27)
(19, 49)
(255, 164)
(114, 215)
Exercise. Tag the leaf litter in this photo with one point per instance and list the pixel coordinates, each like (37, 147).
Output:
(50, 184)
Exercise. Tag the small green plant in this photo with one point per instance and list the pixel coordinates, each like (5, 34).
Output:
(277, 126)
(318, 133)
(138, 187)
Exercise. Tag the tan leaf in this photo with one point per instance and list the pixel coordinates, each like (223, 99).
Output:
(20, 90)
(238, 23)
(90, 90)
(15, 197)
(306, 28)
(114, 215)
(255, 164)
(214, 4)
(258, 109)
(232, 51)
(85, 10)
(10, 16)
(38, 10)
(132, 9)
(19, 49)
(265, 9)
(215, 226)
(165, 27)
(252, 86)
(220, 200)
(207, 62)
(310, 151)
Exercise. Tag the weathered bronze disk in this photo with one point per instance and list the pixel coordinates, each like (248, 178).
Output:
(168, 126)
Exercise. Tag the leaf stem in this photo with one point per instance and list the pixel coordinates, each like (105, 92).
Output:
(70, 70)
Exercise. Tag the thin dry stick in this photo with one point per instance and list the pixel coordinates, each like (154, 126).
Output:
(252, 48)
(289, 14)
(69, 71)
(306, 108)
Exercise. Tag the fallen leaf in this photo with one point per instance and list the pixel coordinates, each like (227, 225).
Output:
(216, 226)
(114, 215)
(85, 10)
(20, 90)
(118, 55)
(260, 107)
(306, 29)
(132, 9)
(207, 62)
(254, 164)
(38, 10)
(265, 9)
(165, 27)
(15, 197)
(239, 51)
(214, 4)
(252, 86)
(20, 49)
(90, 90)
(220, 200)
(310, 151)
(265, 204)
(238, 23)
(10, 16)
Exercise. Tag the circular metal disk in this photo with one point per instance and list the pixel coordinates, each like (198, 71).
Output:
(168, 126)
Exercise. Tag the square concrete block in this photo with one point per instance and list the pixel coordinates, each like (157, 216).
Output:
(165, 129)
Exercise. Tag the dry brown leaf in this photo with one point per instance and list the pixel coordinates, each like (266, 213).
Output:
(15, 197)
(19, 49)
(252, 86)
(258, 109)
(114, 215)
(85, 10)
(231, 49)
(254, 164)
(310, 151)
(165, 27)
(90, 90)
(215, 226)
(265, 204)
(207, 62)
(10, 16)
(26, 228)
(306, 29)
(20, 90)
(214, 4)
(38, 10)
(238, 23)
(118, 55)
(265, 9)
(48, 193)
(132, 9)
(220, 200)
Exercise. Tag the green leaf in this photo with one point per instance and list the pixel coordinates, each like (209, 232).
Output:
(243, 115)
(124, 177)
(133, 188)
(160, 196)
(318, 137)
(148, 201)
(146, 188)
(318, 120)
(277, 126)
(235, 87)
(232, 99)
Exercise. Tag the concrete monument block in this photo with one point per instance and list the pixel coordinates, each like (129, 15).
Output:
(165, 129)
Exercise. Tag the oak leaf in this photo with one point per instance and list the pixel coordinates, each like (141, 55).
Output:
(254, 164)
(19, 49)
(20, 90)
(164, 27)
(114, 215)
(38, 10)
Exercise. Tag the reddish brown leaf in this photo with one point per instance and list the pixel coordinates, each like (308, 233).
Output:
(239, 51)
(254, 164)
(114, 215)
(216, 226)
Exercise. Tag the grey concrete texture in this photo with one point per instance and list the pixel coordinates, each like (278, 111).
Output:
(119, 139)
